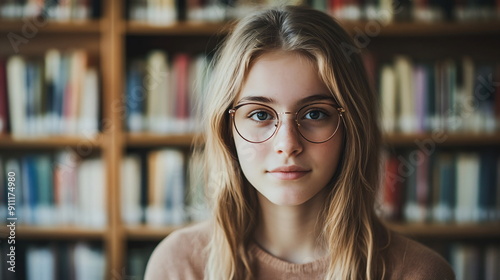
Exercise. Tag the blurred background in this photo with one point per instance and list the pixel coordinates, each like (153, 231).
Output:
(98, 108)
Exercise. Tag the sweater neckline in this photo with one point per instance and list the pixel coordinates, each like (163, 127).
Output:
(267, 259)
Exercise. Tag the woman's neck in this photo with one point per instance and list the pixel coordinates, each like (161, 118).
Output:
(291, 232)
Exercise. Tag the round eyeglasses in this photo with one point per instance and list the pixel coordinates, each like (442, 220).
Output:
(257, 123)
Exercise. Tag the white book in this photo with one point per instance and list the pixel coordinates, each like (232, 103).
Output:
(41, 264)
(174, 182)
(89, 262)
(386, 12)
(388, 97)
(159, 106)
(467, 190)
(92, 194)
(404, 88)
(16, 90)
(131, 190)
(89, 104)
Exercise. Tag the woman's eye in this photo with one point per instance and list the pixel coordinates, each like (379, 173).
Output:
(314, 115)
(260, 116)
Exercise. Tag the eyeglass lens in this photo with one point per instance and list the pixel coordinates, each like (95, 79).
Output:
(315, 122)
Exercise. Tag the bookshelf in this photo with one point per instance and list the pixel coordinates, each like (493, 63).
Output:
(111, 40)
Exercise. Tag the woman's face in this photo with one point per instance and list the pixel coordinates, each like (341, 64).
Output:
(286, 169)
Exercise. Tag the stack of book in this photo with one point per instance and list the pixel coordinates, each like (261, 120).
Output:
(54, 95)
(446, 95)
(442, 187)
(56, 189)
(384, 11)
(50, 9)
(64, 261)
(473, 262)
(155, 190)
(164, 94)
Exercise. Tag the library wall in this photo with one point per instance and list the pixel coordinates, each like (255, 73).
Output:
(98, 109)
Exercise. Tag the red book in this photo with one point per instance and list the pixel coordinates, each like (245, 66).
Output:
(181, 63)
(392, 190)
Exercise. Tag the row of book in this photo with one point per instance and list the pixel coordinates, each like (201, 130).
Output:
(50, 95)
(164, 93)
(54, 189)
(50, 9)
(62, 260)
(158, 188)
(475, 262)
(406, 10)
(167, 12)
(441, 186)
(449, 95)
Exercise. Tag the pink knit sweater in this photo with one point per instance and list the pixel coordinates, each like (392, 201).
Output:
(182, 256)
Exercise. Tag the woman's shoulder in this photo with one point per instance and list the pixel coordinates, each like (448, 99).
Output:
(181, 255)
(408, 259)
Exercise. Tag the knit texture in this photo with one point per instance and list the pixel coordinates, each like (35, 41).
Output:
(183, 255)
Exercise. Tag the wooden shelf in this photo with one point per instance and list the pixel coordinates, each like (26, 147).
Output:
(50, 26)
(153, 140)
(148, 232)
(448, 231)
(443, 139)
(413, 29)
(50, 142)
(181, 28)
(400, 29)
(54, 232)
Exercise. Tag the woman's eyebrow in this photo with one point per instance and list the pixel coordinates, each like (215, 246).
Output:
(317, 97)
(254, 98)
(268, 100)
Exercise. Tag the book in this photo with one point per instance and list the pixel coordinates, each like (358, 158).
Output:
(389, 98)
(131, 190)
(467, 209)
(159, 106)
(4, 113)
(136, 95)
(166, 185)
(404, 89)
(445, 174)
(392, 199)
(16, 87)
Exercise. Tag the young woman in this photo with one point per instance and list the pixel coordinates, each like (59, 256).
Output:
(293, 163)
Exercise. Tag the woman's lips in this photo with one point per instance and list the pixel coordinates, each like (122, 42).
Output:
(292, 172)
(289, 175)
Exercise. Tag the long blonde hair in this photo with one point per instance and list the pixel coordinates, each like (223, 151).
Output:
(352, 232)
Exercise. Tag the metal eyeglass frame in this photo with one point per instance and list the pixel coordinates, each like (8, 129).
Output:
(340, 110)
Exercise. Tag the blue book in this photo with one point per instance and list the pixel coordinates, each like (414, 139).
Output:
(487, 186)
(136, 96)
(30, 188)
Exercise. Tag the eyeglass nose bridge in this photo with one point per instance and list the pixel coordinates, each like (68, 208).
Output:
(286, 113)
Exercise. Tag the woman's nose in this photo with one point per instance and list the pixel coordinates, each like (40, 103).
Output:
(287, 140)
